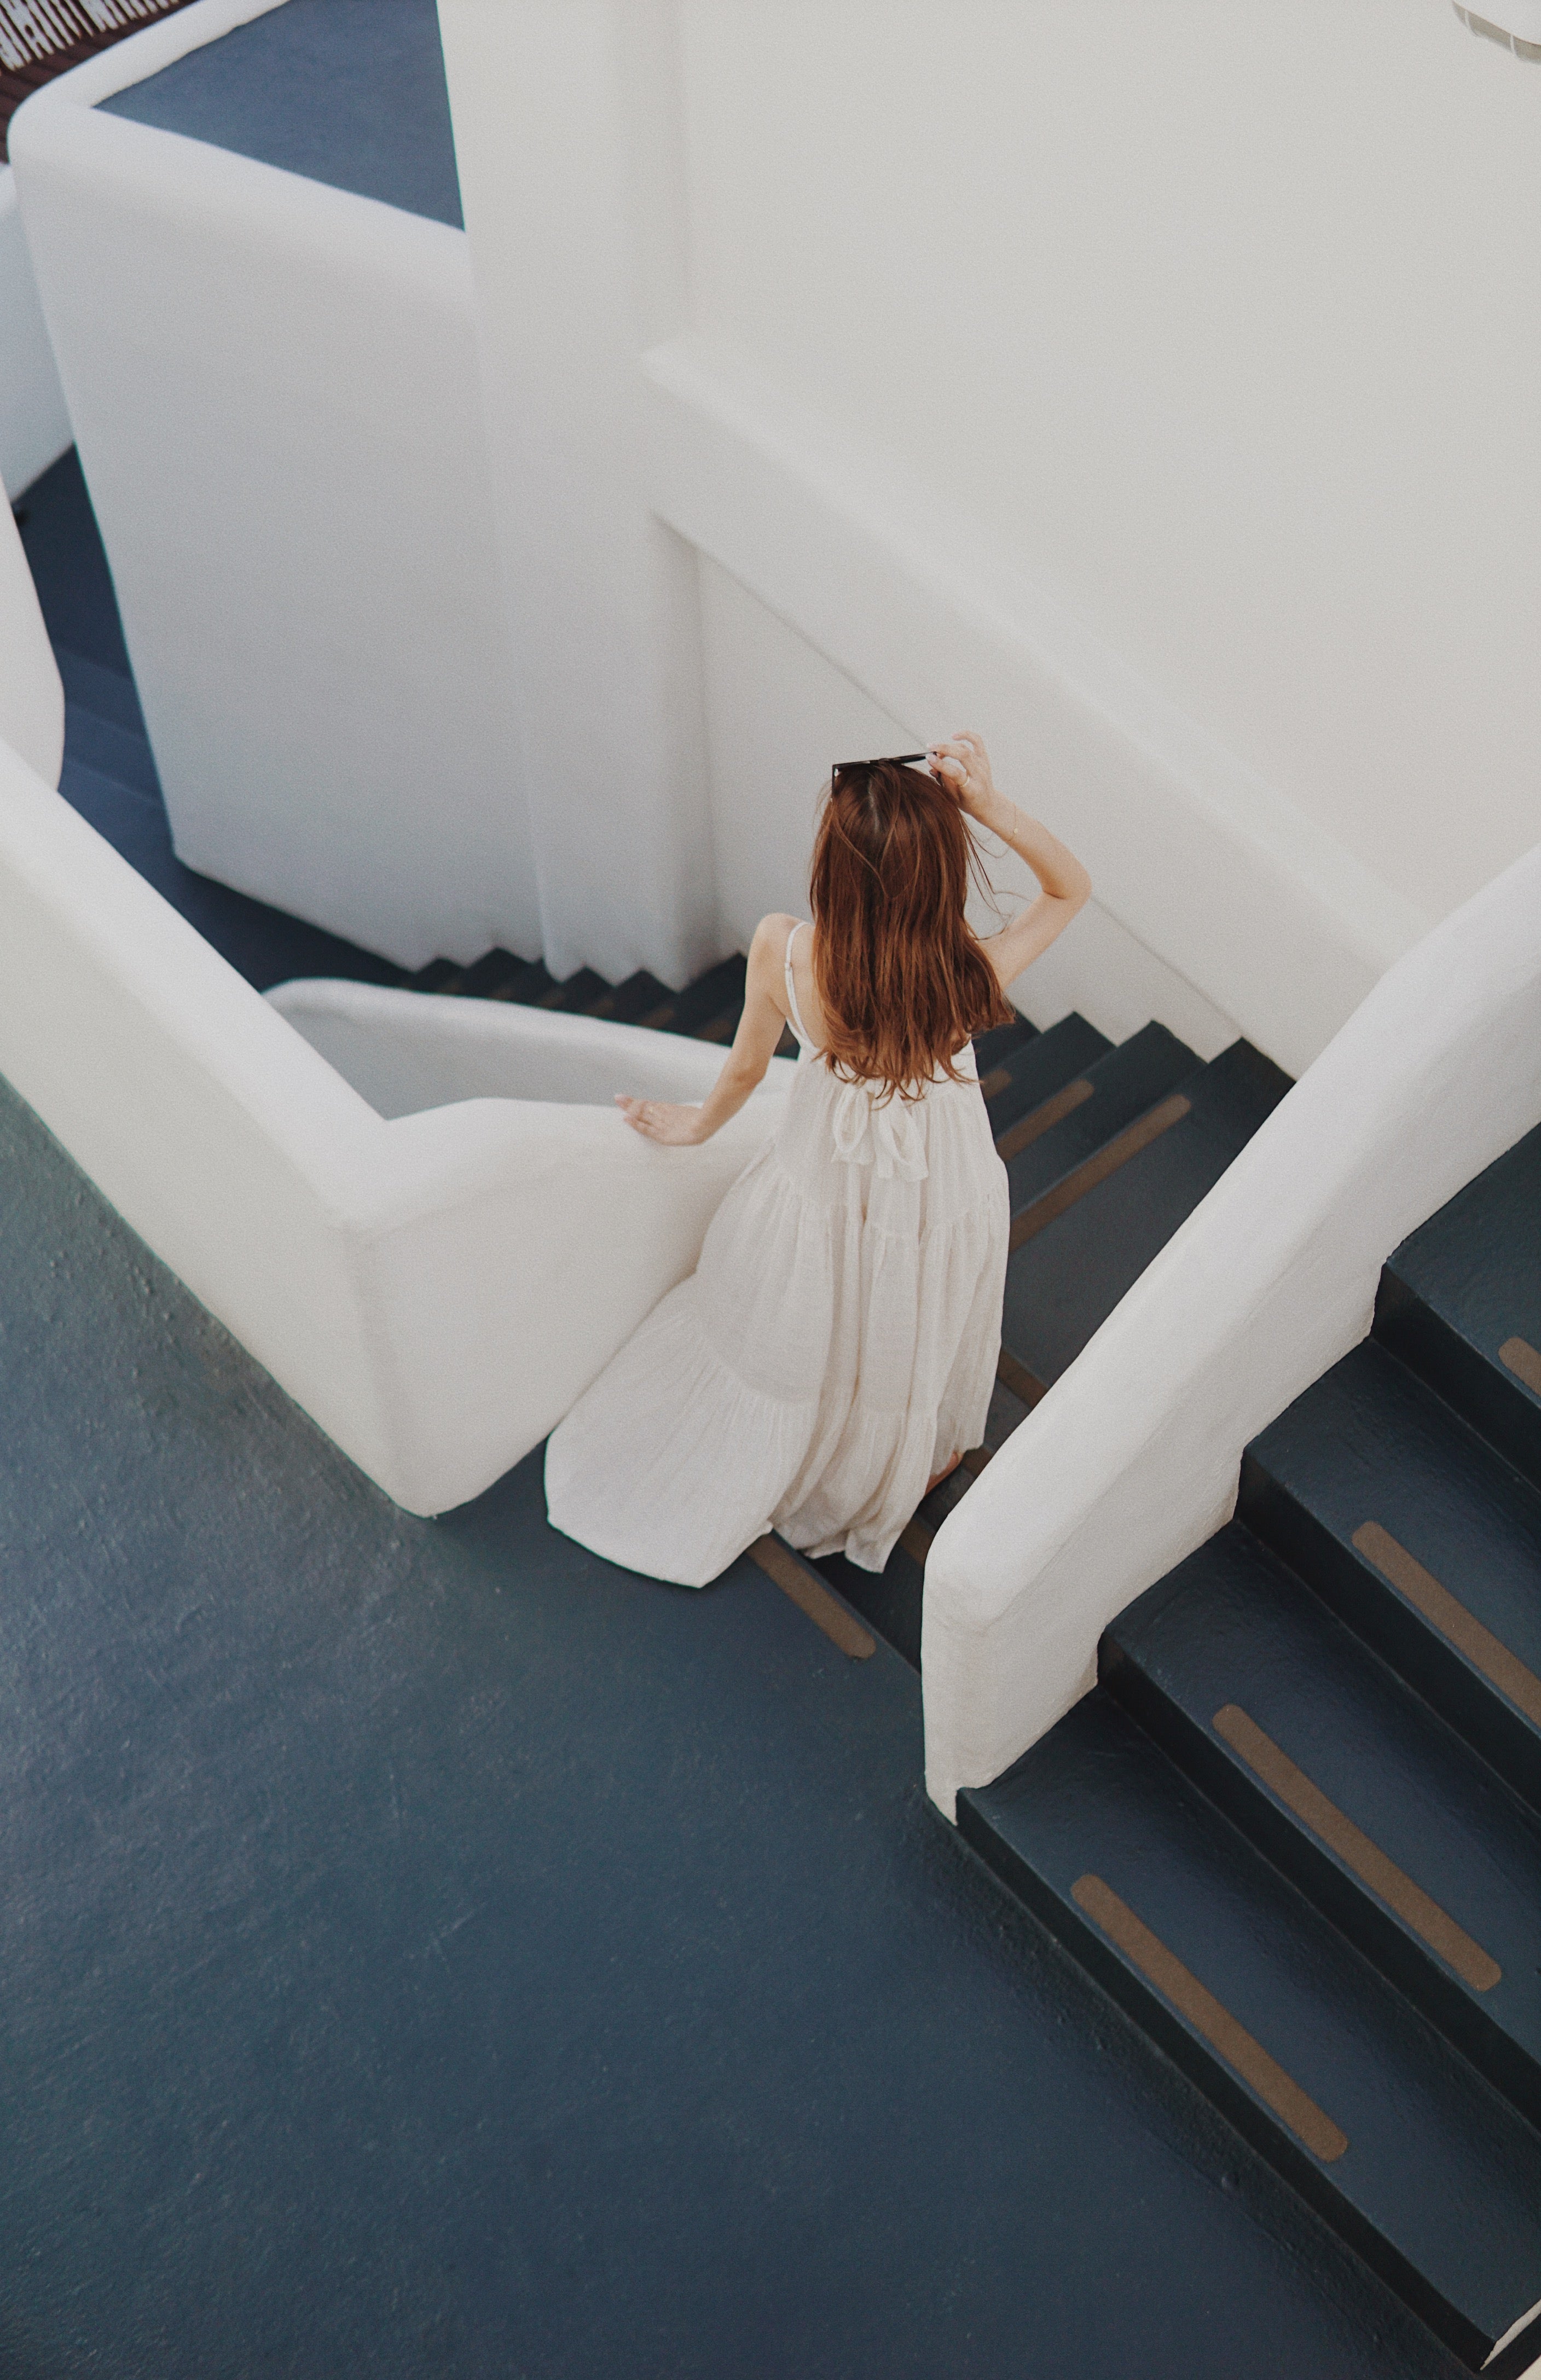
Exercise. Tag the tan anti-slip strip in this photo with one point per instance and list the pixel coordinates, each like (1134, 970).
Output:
(915, 1538)
(1019, 1379)
(1022, 1135)
(1357, 1850)
(1210, 2017)
(1483, 1649)
(1127, 1143)
(1521, 1358)
(824, 1609)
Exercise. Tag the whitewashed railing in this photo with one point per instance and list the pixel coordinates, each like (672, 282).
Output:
(435, 1283)
(34, 30)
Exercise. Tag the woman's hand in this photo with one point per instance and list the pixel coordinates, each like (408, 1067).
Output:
(672, 1127)
(962, 764)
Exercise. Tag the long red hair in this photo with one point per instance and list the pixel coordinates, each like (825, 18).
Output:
(900, 977)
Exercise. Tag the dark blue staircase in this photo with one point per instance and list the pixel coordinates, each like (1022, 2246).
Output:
(1296, 1829)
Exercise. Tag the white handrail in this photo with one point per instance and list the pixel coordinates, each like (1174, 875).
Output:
(408, 1221)
(1132, 1460)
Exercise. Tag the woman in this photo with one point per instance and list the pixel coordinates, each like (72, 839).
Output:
(831, 1356)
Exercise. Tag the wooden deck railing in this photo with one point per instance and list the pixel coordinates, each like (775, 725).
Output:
(39, 38)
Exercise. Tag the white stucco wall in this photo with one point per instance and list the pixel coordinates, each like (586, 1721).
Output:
(1223, 319)
(779, 713)
(1150, 387)
(435, 1244)
(34, 422)
(274, 389)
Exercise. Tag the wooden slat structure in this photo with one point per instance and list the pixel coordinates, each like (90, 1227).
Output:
(39, 38)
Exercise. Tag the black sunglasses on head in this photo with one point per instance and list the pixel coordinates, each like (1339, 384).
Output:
(897, 759)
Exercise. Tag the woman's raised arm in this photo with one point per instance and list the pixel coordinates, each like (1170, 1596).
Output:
(754, 1046)
(962, 764)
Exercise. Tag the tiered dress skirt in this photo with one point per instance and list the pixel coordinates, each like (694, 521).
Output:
(835, 1346)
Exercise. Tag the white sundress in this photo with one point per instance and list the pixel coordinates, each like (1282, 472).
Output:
(835, 1345)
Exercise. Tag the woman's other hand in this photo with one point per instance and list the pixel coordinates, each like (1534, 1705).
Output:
(672, 1127)
(962, 764)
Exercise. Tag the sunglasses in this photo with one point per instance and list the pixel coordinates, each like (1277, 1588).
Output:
(895, 760)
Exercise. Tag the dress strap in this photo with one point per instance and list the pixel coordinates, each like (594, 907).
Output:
(797, 1025)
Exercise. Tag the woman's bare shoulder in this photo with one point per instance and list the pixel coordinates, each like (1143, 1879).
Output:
(770, 937)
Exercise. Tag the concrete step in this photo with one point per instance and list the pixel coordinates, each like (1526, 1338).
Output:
(1404, 2149)
(1091, 1232)
(1422, 1538)
(1353, 1785)
(1461, 1303)
(1039, 1080)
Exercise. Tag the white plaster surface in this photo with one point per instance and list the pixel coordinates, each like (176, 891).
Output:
(31, 698)
(779, 713)
(569, 163)
(404, 1051)
(276, 395)
(1217, 323)
(1132, 1459)
(1128, 414)
(436, 1290)
(34, 421)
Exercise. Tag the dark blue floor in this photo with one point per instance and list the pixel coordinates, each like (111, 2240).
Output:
(346, 92)
(427, 1950)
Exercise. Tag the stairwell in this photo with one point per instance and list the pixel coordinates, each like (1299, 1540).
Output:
(1295, 1830)
(1108, 1148)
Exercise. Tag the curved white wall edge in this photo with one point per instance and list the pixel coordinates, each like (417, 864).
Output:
(1245, 897)
(405, 1051)
(34, 419)
(275, 391)
(1132, 1459)
(434, 1291)
(31, 698)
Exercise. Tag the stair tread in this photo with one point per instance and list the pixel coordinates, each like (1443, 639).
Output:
(525, 988)
(1232, 1627)
(1461, 1300)
(1370, 1442)
(1097, 1797)
(1479, 1261)
(1034, 1070)
(888, 1600)
(1062, 1284)
(113, 750)
(637, 997)
(107, 692)
(1127, 1081)
(991, 1049)
(705, 999)
(576, 994)
(498, 975)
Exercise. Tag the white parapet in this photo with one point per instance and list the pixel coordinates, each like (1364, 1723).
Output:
(34, 419)
(435, 1289)
(1132, 1460)
(276, 395)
